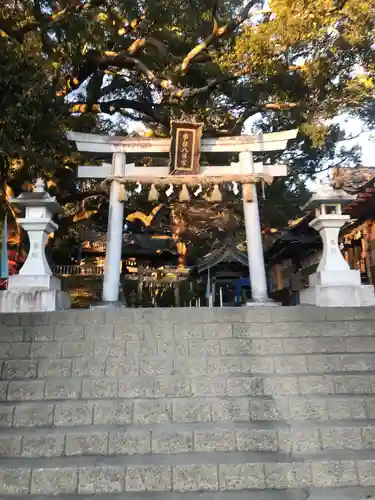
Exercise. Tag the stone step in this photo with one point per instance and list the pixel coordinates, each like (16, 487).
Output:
(180, 348)
(313, 493)
(104, 387)
(185, 410)
(187, 331)
(190, 315)
(184, 316)
(50, 476)
(296, 440)
(84, 365)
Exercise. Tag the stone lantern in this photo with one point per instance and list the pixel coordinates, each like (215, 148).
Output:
(334, 284)
(35, 288)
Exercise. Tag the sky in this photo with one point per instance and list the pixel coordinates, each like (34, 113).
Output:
(366, 140)
(368, 149)
(352, 128)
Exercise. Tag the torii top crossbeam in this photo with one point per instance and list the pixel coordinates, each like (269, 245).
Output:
(94, 143)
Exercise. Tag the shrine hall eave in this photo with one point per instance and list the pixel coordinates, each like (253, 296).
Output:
(293, 241)
(291, 245)
(226, 253)
(363, 206)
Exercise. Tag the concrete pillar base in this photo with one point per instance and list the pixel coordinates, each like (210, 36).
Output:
(109, 305)
(262, 303)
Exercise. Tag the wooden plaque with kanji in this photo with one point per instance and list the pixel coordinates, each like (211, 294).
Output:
(185, 148)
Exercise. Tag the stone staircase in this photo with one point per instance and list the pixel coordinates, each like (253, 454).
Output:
(181, 404)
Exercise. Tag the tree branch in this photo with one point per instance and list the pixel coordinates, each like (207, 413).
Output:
(96, 60)
(340, 4)
(355, 136)
(117, 83)
(185, 94)
(217, 32)
(206, 42)
(19, 30)
(129, 62)
(278, 106)
(81, 196)
(112, 107)
(125, 27)
(244, 14)
(166, 85)
(140, 43)
(334, 165)
(235, 128)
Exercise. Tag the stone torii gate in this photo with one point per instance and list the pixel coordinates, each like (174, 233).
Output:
(119, 171)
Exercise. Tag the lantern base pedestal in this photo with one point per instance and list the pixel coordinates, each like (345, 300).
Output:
(25, 282)
(33, 300)
(342, 277)
(39, 293)
(338, 296)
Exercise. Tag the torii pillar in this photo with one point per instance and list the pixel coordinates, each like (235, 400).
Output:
(257, 270)
(112, 271)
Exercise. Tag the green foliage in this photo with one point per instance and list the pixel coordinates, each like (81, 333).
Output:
(282, 202)
(31, 129)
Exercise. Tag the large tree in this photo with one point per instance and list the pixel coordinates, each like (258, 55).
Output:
(287, 64)
(221, 60)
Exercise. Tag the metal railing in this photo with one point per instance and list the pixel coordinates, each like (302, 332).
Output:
(73, 270)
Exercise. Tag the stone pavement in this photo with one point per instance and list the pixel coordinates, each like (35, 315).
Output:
(181, 404)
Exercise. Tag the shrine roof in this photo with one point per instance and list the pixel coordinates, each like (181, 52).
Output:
(134, 244)
(146, 244)
(228, 252)
(364, 204)
(298, 240)
(352, 180)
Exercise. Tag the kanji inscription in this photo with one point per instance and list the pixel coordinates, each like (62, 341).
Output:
(185, 148)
